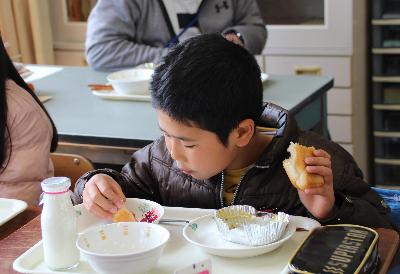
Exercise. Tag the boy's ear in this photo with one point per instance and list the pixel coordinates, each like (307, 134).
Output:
(244, 132)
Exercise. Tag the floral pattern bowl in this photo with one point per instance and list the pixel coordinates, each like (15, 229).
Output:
(143, 210)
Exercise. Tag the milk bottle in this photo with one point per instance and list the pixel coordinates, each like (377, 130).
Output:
(58, 222)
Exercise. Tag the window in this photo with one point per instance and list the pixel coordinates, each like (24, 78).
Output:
(78, 10)
(292, 12)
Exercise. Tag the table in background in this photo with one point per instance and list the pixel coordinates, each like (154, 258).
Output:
(107, 131)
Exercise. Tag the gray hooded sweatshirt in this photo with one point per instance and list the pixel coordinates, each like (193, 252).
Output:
(126, 33)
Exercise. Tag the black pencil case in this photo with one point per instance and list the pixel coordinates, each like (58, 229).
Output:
(340, 249)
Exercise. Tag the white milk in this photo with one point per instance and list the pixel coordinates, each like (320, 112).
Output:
(58, 222)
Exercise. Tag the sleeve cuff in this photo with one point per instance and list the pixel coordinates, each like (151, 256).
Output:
(338, 210)
(238, 34)
(80, 186)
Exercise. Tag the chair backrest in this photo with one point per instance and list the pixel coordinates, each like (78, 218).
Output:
(72, 166)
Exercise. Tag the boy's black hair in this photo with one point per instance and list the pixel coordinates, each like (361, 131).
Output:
(209, 82)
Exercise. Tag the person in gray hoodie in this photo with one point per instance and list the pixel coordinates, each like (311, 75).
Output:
(126, 33)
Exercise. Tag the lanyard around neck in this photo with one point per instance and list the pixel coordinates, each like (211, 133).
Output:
(175, 37)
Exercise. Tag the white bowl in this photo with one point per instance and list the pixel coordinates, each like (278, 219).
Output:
(131, 81)
(132, 247)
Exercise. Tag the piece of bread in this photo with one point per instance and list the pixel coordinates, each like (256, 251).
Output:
(124, 215)
(295, 167)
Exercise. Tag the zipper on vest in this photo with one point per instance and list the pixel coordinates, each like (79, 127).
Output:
(237, 189)
(221, 193)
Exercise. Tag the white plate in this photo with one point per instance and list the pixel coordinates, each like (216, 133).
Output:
(40, 72)
(304, 222)
(264, 77)
(9, 208)
(112, 95)
(23, 71)
(203, 232)
(26, 74)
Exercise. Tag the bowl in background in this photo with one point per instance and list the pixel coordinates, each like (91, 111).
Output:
(131, 81)
(131, 247)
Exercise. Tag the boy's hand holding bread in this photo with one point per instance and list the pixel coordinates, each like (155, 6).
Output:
(295, 167)
(309, 170)
(103, 196)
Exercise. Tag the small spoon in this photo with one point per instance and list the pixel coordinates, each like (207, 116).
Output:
(165, 221)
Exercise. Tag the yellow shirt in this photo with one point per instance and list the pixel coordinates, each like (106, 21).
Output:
(231, 181)
(232, 177)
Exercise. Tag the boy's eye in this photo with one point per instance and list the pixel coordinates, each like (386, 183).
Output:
(189, 146)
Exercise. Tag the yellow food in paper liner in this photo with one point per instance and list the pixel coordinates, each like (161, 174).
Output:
(234, 218)
(241, 224)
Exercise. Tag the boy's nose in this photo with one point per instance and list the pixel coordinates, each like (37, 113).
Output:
(175, 151)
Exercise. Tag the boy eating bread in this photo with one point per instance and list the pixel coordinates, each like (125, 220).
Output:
(216, 149)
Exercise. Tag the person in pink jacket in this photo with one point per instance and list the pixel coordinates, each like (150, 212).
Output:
(27, 136)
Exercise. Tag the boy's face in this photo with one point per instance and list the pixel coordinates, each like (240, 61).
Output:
(197, 152)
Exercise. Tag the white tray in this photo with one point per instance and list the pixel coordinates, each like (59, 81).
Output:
(9, 208)
(179, 253)
(112, 95)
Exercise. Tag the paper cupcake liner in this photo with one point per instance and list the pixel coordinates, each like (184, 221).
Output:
(240, 224)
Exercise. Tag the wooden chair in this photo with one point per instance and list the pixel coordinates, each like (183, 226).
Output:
(72, 166)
